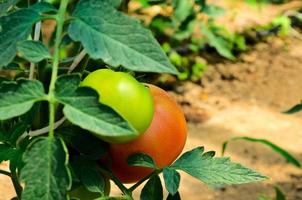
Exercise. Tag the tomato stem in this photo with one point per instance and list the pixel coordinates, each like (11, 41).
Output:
(16, 184)
(51, 94)
(117, 182)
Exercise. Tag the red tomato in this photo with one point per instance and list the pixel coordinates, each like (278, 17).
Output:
(164, 140)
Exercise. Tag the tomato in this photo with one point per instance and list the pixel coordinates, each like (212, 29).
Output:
(128, 97)
(164, 140)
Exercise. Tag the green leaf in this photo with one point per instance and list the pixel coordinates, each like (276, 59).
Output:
(174, 197)
(89, 175)
(6, 152)
(141, 160)
(217, 42)
(82, 108)
(43, 7)
(116, 38)
(153, 189)
(182, 9)
(295, 109)
(114, 3)
(172, 180)
(45, 174)
(17, 131)
(13, 29)
(279, 194)
(16, 162)
(290, 158)
(17, 98)
(82, 141)
(2, 79)
(5, 5)
(33, 51)
(215, 171)
(93, 180)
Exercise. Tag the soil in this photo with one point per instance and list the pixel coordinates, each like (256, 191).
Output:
(246, 98)
(243, 98)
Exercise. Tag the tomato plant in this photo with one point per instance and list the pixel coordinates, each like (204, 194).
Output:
(125, 95)
(60, 151)
(162, 141)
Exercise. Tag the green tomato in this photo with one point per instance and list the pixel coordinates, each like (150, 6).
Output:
(128, 97)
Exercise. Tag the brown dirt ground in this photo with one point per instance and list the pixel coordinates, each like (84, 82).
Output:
(246, 98)
(243, 98)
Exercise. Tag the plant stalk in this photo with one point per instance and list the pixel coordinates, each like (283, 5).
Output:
(16, 184)
(5, 173)
(51, 97)
(117, 182)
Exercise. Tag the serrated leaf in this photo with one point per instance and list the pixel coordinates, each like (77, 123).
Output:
(153, 190)
(45, 174)
(172, 180)
(82, 141)
(6, 152)
(217, 42)
(5, 5)
(174, 197)
(290, 158)
(14, 28)
(141, 160)
(18, 98)
(116, 38)
(82, 108)
(295, 109)
(43, 7)
(33, 51)
(215, 171)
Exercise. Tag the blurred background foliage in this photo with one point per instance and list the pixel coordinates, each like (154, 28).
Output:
(195, 32)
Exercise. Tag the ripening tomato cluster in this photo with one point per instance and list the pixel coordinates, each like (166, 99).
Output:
(159, 121)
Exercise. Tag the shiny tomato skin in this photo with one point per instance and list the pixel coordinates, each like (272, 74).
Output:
(164, 140)
(128, 97)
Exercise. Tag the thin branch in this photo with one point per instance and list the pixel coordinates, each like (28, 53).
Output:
(40, 131)
(76, 61)
(47, 128)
